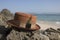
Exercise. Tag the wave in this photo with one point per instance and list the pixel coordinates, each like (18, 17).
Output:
(57, 22)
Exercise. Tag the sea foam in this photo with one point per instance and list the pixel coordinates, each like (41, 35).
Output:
(57, 22)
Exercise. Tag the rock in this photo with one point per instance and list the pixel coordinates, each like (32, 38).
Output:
(4, 32)
(39, 37)
(58, 29)
(52, 30)
(26, 35)
(52, 34)
(15, 35)
(5, 15)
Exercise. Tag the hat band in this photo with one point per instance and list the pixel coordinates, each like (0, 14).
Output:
(28, 24)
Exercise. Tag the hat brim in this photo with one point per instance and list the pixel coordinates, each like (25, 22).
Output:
(14, 24)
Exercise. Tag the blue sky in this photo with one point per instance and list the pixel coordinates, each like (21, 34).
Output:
(34, 6)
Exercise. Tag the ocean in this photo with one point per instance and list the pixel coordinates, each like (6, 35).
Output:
(48, 20)
(48, 17)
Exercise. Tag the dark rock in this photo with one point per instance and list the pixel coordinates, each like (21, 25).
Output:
(58, 29)
(53, 34)
(52, 30)
(4, 32)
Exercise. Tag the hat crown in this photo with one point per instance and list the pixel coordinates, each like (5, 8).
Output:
(22, 19)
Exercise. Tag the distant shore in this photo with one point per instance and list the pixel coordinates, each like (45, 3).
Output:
(47, 24)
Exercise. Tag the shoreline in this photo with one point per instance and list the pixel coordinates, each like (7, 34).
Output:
(48, 24)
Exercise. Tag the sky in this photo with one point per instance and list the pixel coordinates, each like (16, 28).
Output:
(31, 6)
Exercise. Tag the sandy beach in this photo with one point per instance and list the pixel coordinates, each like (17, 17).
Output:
(45, 24)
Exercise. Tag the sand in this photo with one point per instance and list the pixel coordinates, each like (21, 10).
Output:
(45, 24)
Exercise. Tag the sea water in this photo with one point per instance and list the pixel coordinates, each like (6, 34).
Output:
(46, 21)
(49, 17)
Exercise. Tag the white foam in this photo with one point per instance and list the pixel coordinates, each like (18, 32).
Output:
(57, 22)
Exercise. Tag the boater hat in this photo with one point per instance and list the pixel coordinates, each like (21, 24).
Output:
(25, 21)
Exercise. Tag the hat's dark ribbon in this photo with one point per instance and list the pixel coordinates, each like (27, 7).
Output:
(28, 24)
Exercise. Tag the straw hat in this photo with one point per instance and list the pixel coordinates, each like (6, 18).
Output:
(25, 21)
